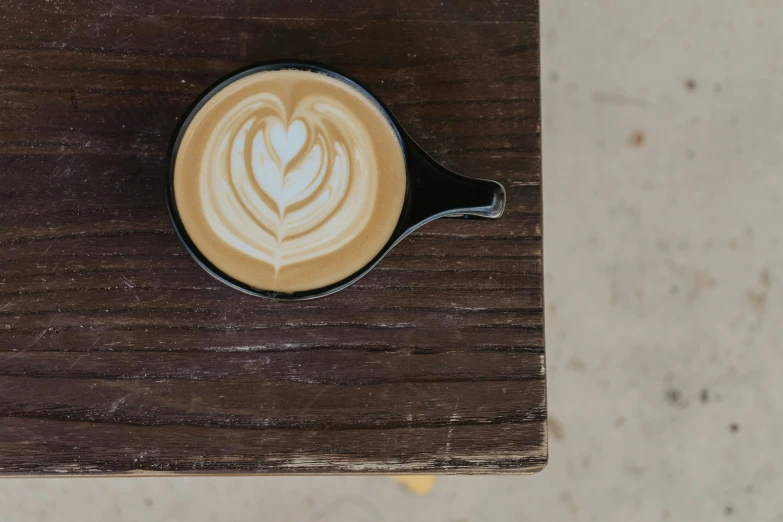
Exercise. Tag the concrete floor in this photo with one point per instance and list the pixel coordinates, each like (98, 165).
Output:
(663, 131)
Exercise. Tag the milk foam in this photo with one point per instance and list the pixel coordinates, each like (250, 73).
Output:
(287, 184)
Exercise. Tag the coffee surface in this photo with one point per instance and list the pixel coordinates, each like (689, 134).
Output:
(289, 180)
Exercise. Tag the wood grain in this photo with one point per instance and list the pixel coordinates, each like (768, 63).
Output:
(118, 354)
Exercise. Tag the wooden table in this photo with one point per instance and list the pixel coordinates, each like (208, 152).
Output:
(118, 354)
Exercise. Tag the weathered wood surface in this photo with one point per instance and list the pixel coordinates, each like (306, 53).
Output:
(118, 354)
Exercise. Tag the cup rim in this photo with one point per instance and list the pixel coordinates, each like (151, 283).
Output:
(182, 125)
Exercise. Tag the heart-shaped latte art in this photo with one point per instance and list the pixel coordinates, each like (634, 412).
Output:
(286, 186)
(287, 143)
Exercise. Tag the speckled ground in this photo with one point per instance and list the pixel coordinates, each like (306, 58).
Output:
(663, 138)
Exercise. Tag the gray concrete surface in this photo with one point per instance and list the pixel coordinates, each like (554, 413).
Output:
(663, 126)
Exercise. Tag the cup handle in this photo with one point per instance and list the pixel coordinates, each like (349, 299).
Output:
(435, 191)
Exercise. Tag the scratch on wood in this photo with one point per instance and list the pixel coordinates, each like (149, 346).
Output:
(71, 468)
(119, 402)
(60, 260)
(454, 418)
(489, 463)
(313, 401)
(243, 37)
(43, 332)
(76, 361)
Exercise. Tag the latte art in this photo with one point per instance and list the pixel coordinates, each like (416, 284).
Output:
(289, 180)
(288, 188)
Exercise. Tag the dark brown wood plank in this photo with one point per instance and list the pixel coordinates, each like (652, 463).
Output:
(118, 354)
(140, 449)
(347, 367)
(225, 403)
(496, 11)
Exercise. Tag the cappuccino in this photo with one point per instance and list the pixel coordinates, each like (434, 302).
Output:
(289, 180)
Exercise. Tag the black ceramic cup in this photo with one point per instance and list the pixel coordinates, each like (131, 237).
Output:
(432, 191)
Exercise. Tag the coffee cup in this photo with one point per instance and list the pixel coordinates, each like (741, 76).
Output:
(290, 180)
